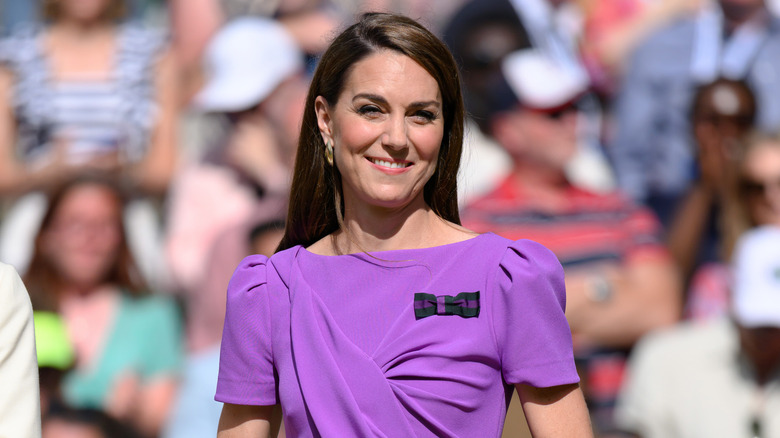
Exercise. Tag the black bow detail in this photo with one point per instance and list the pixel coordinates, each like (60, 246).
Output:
(464, 304)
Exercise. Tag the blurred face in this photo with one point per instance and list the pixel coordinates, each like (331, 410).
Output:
(84, 10)
(386, 129)
(762, 345)
(82, 242)
(760, 183)
(723, 116)
(547, 139)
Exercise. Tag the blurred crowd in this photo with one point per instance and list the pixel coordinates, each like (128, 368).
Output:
(147, 147)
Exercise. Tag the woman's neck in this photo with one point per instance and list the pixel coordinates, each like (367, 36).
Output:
(370, 228)
(82, 29)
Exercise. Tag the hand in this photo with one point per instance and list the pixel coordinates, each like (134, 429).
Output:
(123, 397)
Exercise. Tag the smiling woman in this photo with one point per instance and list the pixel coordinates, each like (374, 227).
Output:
(380, 315)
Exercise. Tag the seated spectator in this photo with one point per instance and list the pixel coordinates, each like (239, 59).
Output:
(256, 85)
(723, 112)
(717, 379)
(85, 91)
(620, 281)
(652, 149)
(126, 342)
(751, 198)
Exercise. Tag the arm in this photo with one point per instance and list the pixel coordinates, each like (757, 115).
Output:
(557, 411)
(615, 43)
(645, 296)
(154, 172)
(241, 421)
(688, 225)
(15, 177)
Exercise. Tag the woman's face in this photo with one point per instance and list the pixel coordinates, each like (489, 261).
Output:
(760, 183)
(83, 239)
(386, 128)
(84, 10)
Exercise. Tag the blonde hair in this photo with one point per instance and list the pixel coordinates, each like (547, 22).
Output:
(116, 10)
(735, 214)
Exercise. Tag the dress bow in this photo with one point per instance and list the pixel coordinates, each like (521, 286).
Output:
(464, 304)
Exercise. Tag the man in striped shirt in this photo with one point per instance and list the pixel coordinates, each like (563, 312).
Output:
(620, 280)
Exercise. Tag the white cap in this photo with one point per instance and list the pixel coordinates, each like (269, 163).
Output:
(244, 62)
(540, 83)
(756, 291)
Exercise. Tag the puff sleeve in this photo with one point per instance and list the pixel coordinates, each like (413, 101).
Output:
(532, 335)
(246, 370)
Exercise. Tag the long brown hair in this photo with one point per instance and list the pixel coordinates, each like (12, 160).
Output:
(315, 200)
(42, 280)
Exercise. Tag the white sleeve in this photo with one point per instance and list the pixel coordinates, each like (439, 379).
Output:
(20, 407)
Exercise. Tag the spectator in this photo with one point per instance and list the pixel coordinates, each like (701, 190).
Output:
(20, 409)
(751, 198)
(67, 105)
(652, 148)
(126, 342)
(620, 281)
(723, 112)
(717, 379)
(256, 86)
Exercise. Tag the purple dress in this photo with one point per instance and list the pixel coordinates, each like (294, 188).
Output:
(421, 342)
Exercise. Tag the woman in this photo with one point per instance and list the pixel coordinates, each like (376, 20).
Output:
(126, 342)
(85, 91)
(380, 315)
(750, 199)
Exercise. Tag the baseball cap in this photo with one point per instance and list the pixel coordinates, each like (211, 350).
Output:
(244, 62)
(539, 83)
(756, 291)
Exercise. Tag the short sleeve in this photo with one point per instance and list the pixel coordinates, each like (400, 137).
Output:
(533, 336)
(246, 372)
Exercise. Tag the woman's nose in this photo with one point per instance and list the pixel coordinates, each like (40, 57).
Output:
(395, 135)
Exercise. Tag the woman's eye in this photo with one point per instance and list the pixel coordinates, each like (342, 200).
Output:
(426, 116)
(368, 110)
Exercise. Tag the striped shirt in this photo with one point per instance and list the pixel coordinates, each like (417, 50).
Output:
(587, 228)
(115, 113)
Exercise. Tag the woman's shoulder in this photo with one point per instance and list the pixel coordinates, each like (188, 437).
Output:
(20, 46)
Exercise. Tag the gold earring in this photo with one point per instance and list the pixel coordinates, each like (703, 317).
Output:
(329, 152)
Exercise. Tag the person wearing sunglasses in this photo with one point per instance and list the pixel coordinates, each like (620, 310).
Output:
(718, 378)
(620, 280)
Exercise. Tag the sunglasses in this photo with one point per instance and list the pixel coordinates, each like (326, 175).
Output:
(752, 187)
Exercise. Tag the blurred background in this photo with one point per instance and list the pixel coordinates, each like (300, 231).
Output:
(147, 146)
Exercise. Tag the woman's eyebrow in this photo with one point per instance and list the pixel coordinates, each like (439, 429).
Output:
(379, 99)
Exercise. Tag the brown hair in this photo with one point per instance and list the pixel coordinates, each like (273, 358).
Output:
(315, 200)
(41, 278)
(116, 10)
